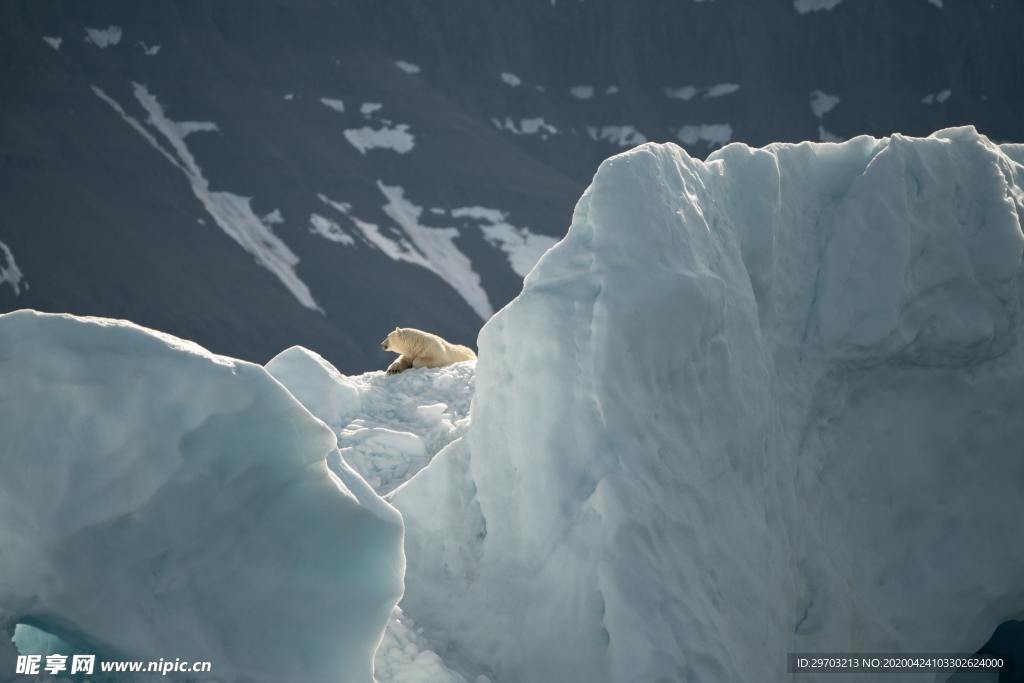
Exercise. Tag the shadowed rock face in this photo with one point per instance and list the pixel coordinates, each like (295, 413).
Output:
(114, 205)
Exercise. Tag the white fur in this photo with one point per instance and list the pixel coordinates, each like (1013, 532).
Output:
(419, 349)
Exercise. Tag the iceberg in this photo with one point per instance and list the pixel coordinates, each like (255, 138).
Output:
(388, 426)
(760, 404)
(160, 501)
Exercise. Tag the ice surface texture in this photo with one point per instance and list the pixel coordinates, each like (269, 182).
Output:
(388, 428)
(157, 501)
(765, 403)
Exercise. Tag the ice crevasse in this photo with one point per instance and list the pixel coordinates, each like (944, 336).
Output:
(159, 501)
(769, 402)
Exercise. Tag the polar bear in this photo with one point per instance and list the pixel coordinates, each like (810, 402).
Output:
(419, 349)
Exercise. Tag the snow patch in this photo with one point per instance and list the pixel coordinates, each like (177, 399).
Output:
(937, 98)
(53, 41)
(620, 136)
(688, 92)
(335, 104)
(822, 103)
(437, 247)
(368, 108)
(149, 50)
(582, 92)
(685, 92)
(397, 138)
(232, 213)
(711, 134)
(407, 67)
(103, 37)
(329, 230)
(9, 272)
(522, 246)
(805, 6)
(432, 248)
(721, 89)
(529, 126)
(510, 79)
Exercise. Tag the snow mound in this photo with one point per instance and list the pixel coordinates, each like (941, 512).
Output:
(158, 500)
(388, 426)
(766, 403)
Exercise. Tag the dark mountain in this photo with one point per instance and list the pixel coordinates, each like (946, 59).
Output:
(253, 175)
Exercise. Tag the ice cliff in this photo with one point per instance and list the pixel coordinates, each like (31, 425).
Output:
(159, 501)
(764, 403)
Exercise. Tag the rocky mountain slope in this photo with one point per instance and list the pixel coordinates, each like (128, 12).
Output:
(257, 175)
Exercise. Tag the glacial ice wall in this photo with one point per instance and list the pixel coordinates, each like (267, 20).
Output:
(765, 403)
(159, 501)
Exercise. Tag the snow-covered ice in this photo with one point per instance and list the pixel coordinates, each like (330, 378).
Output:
(711, 134)
(232, 213)
(368, 108)
(149, 50)
(396, 138)
(620, 136)
(407, 67)
(765, 403)
(103, 37)
(388, 426)
(510, 79)
(404, 656)
(10, 274)
(53, 41)
(159, 500)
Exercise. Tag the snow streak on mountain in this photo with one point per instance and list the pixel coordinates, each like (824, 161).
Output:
(257, 175)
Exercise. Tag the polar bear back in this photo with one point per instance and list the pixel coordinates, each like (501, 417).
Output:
(427, 350)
